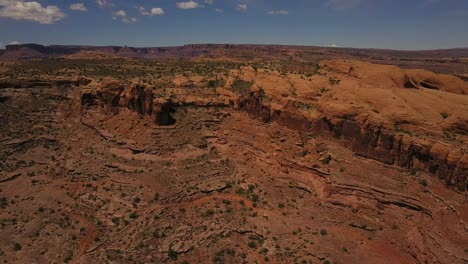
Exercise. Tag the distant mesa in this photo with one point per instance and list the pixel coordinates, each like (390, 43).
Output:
(32, 51)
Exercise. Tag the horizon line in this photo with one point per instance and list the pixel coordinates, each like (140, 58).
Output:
(234, 44)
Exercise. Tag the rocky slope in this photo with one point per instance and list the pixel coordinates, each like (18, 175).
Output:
(373, 109)
(221, 162)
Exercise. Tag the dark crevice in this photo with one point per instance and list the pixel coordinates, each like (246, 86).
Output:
(165, 117)
(429, 85)
(4, 99)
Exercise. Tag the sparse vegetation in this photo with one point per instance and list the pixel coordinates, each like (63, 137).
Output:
(252, 244)
(241, 87)
(333, 81)
(423, 182)
(444, 115)
(17, 247)
(324, 90)
(133, 215)
(173, 254)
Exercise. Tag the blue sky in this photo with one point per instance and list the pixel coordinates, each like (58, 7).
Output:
(396, 24)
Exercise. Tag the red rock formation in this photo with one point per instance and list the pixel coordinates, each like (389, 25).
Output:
(389, 147)
(367, 139)
(112, 95)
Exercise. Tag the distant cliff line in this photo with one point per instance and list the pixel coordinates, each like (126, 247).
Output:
(27, 51)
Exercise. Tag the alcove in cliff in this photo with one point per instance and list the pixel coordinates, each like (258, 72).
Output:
(165, 116)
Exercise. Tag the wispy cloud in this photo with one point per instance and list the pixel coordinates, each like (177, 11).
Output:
(30, 10)
(155, 11)
(14, 43)
(104, 3)
(278, 12)
(188, 5)
(241, 7)
(209, 2)
(343, 4)
(219, 10)
(122, 15)
(78, 7)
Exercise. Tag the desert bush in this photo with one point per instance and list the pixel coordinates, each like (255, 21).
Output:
(241, 87)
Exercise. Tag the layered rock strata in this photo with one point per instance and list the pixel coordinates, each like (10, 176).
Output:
(446, 161)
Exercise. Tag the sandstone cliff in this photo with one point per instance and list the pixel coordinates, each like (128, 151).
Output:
(409, 118)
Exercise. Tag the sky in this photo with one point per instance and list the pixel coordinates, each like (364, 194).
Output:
(394, 24)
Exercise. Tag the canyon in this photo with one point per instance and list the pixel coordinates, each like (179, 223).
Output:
(218, 157)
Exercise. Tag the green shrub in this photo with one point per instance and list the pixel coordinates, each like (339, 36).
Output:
(423, 182)
(212, 83)
(172, 254)
(17, 247)
(333, 81)
(241, 87)
(133, 215)
(252, 244)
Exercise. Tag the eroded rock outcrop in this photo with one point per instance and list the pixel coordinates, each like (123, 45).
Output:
(392, 76)
(366, 107)
(446, 161)
(111, 95)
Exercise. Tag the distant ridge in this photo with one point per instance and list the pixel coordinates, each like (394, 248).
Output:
(33, 51)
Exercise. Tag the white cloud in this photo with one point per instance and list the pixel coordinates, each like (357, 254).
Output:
(242, 7)
(209, 2)
(31, 10)
(78, 7)
(333, 46)
(14, 43)
(129, 20)
(104, 3)
(278, 12)
(343, 4)
(143, 11)
(155, 11)
(122, 15)
(219, 10)
(188, 5)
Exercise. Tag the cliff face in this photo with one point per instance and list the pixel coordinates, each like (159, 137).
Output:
(448, 163)
(111, 96)
(371, 108)
(438, 158)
